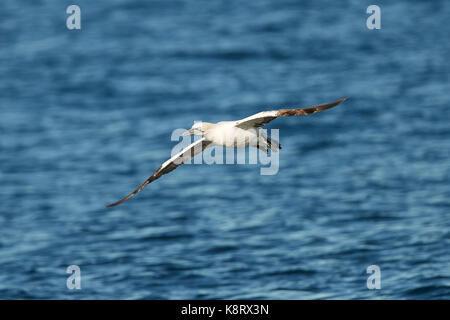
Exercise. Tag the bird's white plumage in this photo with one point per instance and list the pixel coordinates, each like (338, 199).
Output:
(226, 134)
(252, 121)
(185, 154)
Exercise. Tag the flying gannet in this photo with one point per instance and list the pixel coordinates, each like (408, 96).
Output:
(231, 134)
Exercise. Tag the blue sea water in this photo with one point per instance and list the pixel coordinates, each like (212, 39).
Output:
(87, 115)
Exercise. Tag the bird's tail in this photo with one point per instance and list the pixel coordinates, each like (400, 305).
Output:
(273, 144)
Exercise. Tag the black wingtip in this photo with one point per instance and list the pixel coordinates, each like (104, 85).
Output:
(118, 202)
(111, 205)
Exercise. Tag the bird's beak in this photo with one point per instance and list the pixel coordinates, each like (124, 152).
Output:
(188, 132)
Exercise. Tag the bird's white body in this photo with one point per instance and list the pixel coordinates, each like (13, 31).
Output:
(226, 134)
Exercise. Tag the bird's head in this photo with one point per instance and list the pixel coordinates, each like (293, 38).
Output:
(197, 130)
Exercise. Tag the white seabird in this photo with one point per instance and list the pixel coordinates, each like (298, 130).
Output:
(232, 134)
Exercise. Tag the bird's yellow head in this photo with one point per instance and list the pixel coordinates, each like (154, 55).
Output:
(198, 129)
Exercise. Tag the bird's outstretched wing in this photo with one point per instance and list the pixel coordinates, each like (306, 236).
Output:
(262, 118)
(171, 164)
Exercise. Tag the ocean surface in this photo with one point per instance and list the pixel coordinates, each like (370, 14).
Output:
(87, 115)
